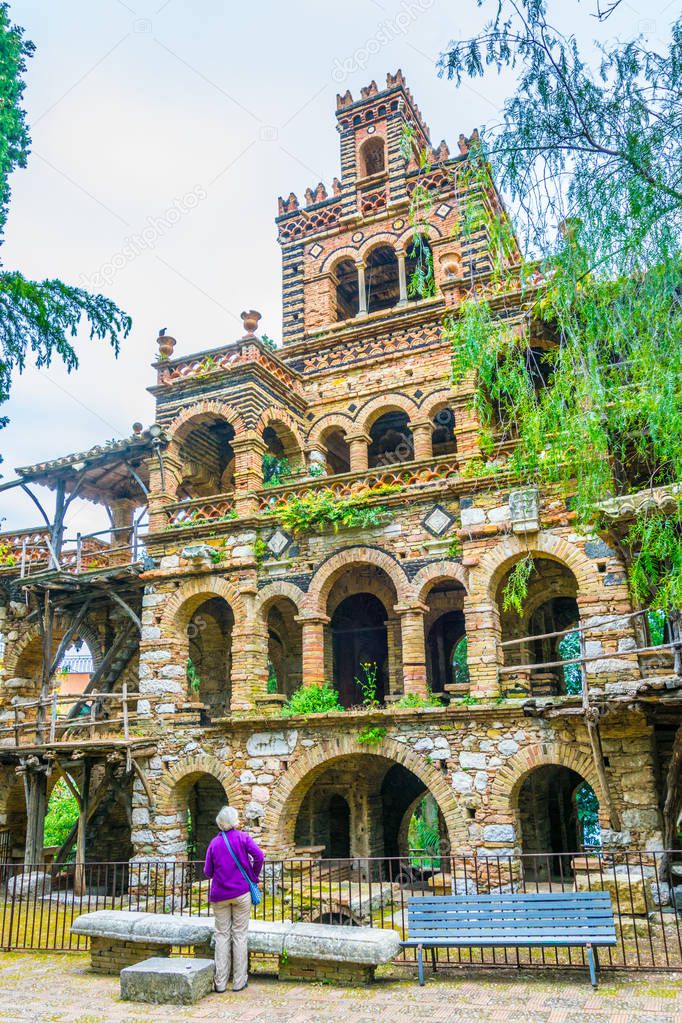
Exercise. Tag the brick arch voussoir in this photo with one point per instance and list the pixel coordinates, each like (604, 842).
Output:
(14, 650)
(406, 238)
(430, 402)
(351, 252)
(511, 549)
(219, 409)
(287, 795)
(336, 420)
(504, 794)
(201, 586)
(439, 572)
(277, 414)
(367, 415)
(327, 573)
(183, 770)
(375, 241)
(274, 590)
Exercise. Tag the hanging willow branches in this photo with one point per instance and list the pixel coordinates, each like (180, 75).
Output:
(574, 334)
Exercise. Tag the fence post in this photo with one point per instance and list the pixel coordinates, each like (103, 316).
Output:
(53, 716)
(124, 697)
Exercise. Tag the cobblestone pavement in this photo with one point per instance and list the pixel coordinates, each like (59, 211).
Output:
(60, 989)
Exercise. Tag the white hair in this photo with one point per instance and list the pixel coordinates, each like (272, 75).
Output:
(227, 819)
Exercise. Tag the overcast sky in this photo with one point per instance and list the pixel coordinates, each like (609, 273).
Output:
(163, 131)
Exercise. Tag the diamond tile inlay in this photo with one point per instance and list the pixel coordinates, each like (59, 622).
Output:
(278, 542)
(437, 521)
(443, 210)
(315, 250)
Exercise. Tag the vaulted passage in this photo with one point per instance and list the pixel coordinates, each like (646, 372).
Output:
(558, 815)
(359, 637)
(210, 655)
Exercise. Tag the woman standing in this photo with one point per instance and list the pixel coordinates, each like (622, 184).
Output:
(230, 897)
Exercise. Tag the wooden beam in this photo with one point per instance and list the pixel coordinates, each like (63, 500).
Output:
(143, 778)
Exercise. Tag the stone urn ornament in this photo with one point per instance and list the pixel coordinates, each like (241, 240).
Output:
(250, 320)
(166, 344)
(451, 263)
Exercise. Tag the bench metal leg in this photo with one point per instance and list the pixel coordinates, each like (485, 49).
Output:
(433, 959)
(592, 965)
(420, 964)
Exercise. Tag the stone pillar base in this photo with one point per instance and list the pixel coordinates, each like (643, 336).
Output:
(109, 956)
(348, 974)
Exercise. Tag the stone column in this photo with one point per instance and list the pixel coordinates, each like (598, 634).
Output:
(413, 648)
(312, 643)
(422, 433)
(359, 451)
(249, 449)
(362, 290)
(402, 277)
(317, 456)
(483, 638)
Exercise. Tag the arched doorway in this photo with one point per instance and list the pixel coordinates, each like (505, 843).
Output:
(391, 440)
(558, 816)
(209, 662)
(445, 630)
(205, 796)
(284, 646)
(381, 274)
(359, 637)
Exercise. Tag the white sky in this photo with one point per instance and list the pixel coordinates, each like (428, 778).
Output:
(139, 108)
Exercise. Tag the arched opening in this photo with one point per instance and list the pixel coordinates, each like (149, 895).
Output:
(284, 646)
(382, 280)
(209, 664)
(419, 270)
(338, 451)
(549, 614)
(390, 440)
(425, 831)
(345, 278)
(13, 820)
(199, 797)
(558, 816)
(283, 456)
(206, 457)
(443, 439)
(445, 632)
(372, 156)
(359, 647)
(360, 807)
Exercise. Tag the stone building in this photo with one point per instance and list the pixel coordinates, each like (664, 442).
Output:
(203, 625)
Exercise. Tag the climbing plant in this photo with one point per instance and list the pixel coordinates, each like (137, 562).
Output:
(321, 510)
(572, 333)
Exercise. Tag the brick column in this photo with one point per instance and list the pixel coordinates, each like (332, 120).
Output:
(358, 445)
(162, 487)
(483, 632)
(248, 471)
(422, 433)
(312, 643)
(413, 648)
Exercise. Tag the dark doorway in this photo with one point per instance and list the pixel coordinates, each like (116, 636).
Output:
(358, 628)
(339, 828)
(399, 790)
(555, 818)
(206, 798)
(444, 635)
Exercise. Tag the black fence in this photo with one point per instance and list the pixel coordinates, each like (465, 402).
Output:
(39, 903)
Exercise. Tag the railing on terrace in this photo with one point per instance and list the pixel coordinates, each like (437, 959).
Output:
(401, 474)
(232, 357)
(97, 716)
(38, 903)
(33, 553)
(217, 508)
(552, 677)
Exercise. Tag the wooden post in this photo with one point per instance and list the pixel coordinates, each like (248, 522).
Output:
(93, 713)
(79, 874)
(36, 778)
(53, 716)
(124, 698)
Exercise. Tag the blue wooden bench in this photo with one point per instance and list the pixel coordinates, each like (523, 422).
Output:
(515, 920)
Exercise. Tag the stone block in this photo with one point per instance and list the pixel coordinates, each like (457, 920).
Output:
(630, 887)
(32, 885)
(472, 761)
(462, 782)
(499, 833)
(267, 744)
(472, 516)
(167, 981)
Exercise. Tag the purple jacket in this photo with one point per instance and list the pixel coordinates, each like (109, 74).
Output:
(226, 880)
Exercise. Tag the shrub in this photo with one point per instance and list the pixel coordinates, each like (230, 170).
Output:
(313, 699)
(371, 736)
(62, 814)
(415, 700)
(322, 510)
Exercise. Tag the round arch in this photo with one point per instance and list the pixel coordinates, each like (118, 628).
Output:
(488, 575)
(15, 650)
(440, 572)
(273, 591)
(391, 402)
(430, 403)
(218, 409)
(184, 773)
(276, 414)
(181, 606)
(351, 252)
(329, 570)
(381, 238)
(336, 420)
(504, 793)
(432, 232)
(288, 794)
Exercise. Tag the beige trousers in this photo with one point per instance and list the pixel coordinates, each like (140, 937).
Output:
(231, 941)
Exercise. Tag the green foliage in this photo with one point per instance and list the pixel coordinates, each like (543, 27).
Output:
(569, 647)
(268, 343)
(516, 588)
(372, 736)
(587, 807)
(416, 701)
(193, 679)
(320, 510)
(316, 469)
(460, 662)
(318, 698)
(37, 318)
(272, 684)
(216, 556)
(367, 684)
(276, 470)
(573, 338)
(454, 548)
(62, 814)
(7, 558)
(260, 549)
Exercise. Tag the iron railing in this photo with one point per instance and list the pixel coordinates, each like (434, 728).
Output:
(38, 903)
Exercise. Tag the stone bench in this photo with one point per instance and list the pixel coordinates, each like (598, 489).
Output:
(332, 952)
(167, 981)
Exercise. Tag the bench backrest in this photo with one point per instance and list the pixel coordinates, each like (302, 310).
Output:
(513, 916)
